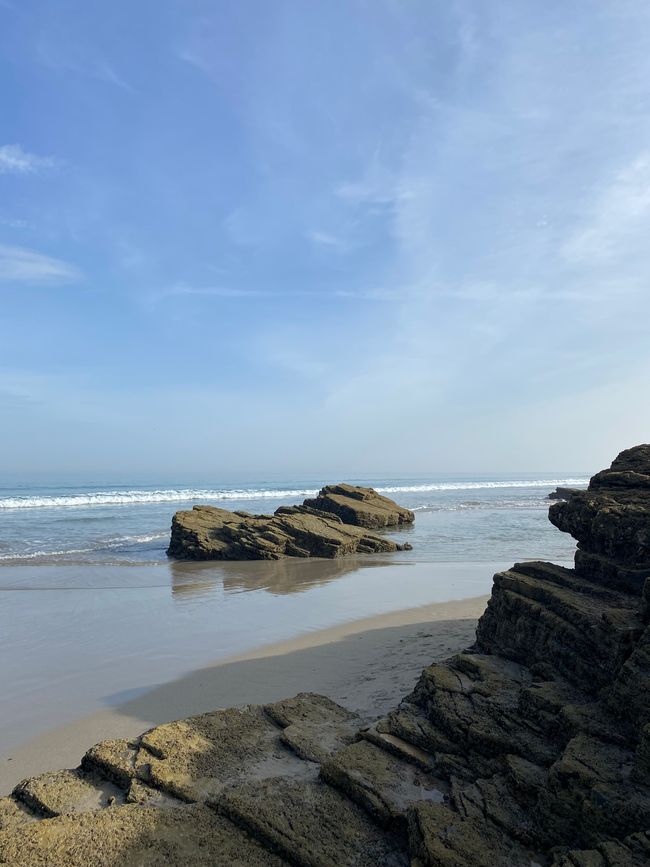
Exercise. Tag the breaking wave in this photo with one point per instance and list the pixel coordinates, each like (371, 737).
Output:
(116, 543)
(187, 495)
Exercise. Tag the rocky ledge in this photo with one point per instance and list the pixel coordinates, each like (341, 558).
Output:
(530, 749)
(338, 522)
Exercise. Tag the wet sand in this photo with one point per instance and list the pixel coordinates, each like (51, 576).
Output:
(367, 665)
(76, 639)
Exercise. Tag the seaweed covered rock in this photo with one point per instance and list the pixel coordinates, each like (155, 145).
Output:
(315, 529)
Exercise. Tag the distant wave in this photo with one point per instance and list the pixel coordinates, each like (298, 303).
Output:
(129, 498)
(475, 486)
(186, 495)
(112, 544)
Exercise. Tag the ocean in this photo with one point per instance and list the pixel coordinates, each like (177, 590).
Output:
(458, 518)
(94, 614)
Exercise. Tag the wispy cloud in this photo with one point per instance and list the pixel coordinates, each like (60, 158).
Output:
(105, 72)
(184, 290)
(618, 220)
(13, 223)
(326, 239)
(375, 188)
(66, 55)
(14, 160)
(21, 265)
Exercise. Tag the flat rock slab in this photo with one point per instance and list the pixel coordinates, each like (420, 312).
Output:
(311, 825)
(382, 784)
(66, 792)
(314, 726)
(194, 759)
(134, 836)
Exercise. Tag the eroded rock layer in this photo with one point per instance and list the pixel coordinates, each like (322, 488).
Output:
(530, 748)
(337, 523)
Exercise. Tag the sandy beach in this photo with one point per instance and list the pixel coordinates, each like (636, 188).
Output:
(367, 665)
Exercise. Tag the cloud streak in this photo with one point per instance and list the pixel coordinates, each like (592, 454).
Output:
(22, 265)
(14, 160)
(618, 221)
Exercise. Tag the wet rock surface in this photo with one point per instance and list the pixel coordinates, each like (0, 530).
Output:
(337, 523)
(530, 748)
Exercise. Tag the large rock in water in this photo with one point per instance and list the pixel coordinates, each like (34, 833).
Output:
(332, 525)
(530, 748)
(361, 506)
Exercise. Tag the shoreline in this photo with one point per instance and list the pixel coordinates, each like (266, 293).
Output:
(367, 664)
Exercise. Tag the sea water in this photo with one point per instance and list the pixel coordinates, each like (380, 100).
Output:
(92, 612)
(458, 518)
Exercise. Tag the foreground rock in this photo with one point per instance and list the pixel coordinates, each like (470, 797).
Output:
(335, 524)
(531, 748)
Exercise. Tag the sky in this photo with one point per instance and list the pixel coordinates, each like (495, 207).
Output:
(392, 237)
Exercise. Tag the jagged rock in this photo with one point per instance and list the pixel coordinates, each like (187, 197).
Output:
(634, 851)
(361, 506)
(591, 795)
(209, 533)
(544, 614)
(629, 694)
(611, 522)
(440, 837)
(535, 742)
(561, 493)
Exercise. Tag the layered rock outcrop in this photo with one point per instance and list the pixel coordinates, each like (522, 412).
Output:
(530, 749)
(363, 507)
(337, 523)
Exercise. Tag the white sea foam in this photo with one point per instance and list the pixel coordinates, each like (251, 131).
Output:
(475, 486)
(128, 498)
(188, 495)
(112, 544)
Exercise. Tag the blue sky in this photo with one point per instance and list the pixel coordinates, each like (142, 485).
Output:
(348, 237)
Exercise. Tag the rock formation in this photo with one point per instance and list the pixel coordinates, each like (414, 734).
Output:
(334, 524)
(530, 748)
(363, 507)
(561, 493)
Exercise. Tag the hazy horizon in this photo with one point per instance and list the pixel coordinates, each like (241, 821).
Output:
(322, 240)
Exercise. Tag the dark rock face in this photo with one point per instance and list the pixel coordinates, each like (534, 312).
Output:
(335, 524)
(530, 748)
(562, 493)
(611, 522)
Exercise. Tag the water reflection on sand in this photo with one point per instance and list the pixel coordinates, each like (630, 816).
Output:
(279, 577)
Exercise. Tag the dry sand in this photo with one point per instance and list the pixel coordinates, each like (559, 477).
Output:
(366, 665)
